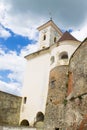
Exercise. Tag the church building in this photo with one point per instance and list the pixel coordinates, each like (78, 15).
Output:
(46, 75)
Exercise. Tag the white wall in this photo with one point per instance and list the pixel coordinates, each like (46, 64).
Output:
(35, 86)
(65, 46)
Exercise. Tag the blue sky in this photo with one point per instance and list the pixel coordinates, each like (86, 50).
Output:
(15, 42)
(19, 20)
(13, 62)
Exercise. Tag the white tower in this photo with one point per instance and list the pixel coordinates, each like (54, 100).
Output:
(36, 78)
(49, 34)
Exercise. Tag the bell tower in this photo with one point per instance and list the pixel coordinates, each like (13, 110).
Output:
(49, 34)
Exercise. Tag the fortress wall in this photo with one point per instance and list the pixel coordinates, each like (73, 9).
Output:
(58, 83)
(9, 109)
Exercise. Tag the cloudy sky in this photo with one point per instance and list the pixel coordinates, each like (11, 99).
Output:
(18, 35)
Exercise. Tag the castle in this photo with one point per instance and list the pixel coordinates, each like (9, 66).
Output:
(55, 83)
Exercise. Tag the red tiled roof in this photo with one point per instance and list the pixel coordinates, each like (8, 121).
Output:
(67, 36)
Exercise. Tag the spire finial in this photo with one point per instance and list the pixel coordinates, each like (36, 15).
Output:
(50, 15)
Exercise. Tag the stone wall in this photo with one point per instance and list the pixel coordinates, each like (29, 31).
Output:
(78, 67)
(67, 96)
(58, 84)
(76, 108)
(15, 128)
(9, 108)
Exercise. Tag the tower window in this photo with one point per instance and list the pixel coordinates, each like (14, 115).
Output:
(52, 59)
(63, 55)
(54, 39)
(40, 116)
(44, 37)
(25, 100)
(24, 123)
(56, 128)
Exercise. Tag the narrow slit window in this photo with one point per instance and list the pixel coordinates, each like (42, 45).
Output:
(52, 59)
(54, 39)
(44, 37)
(25, 100)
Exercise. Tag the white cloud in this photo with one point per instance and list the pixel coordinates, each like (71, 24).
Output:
(30, 48)
(11, 87)
(16, 66)
(23, 17)
(9, 60)
(12, 61)
(20, 24)
(80, 34)
(4, 33)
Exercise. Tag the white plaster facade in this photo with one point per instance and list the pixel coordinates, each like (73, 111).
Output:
(39, 64)
(65, 46)
(35, 86)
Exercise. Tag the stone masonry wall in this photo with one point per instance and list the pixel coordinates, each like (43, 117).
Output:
(66, 106)
(76, 108)
(9, 109)
(78, 67)
(58, 83)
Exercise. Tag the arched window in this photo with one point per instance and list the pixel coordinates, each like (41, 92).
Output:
(39, 116)
(24, 123)
(52, 59)
(54, 39)
(44, 37)
(56, 128)
(63, 55)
